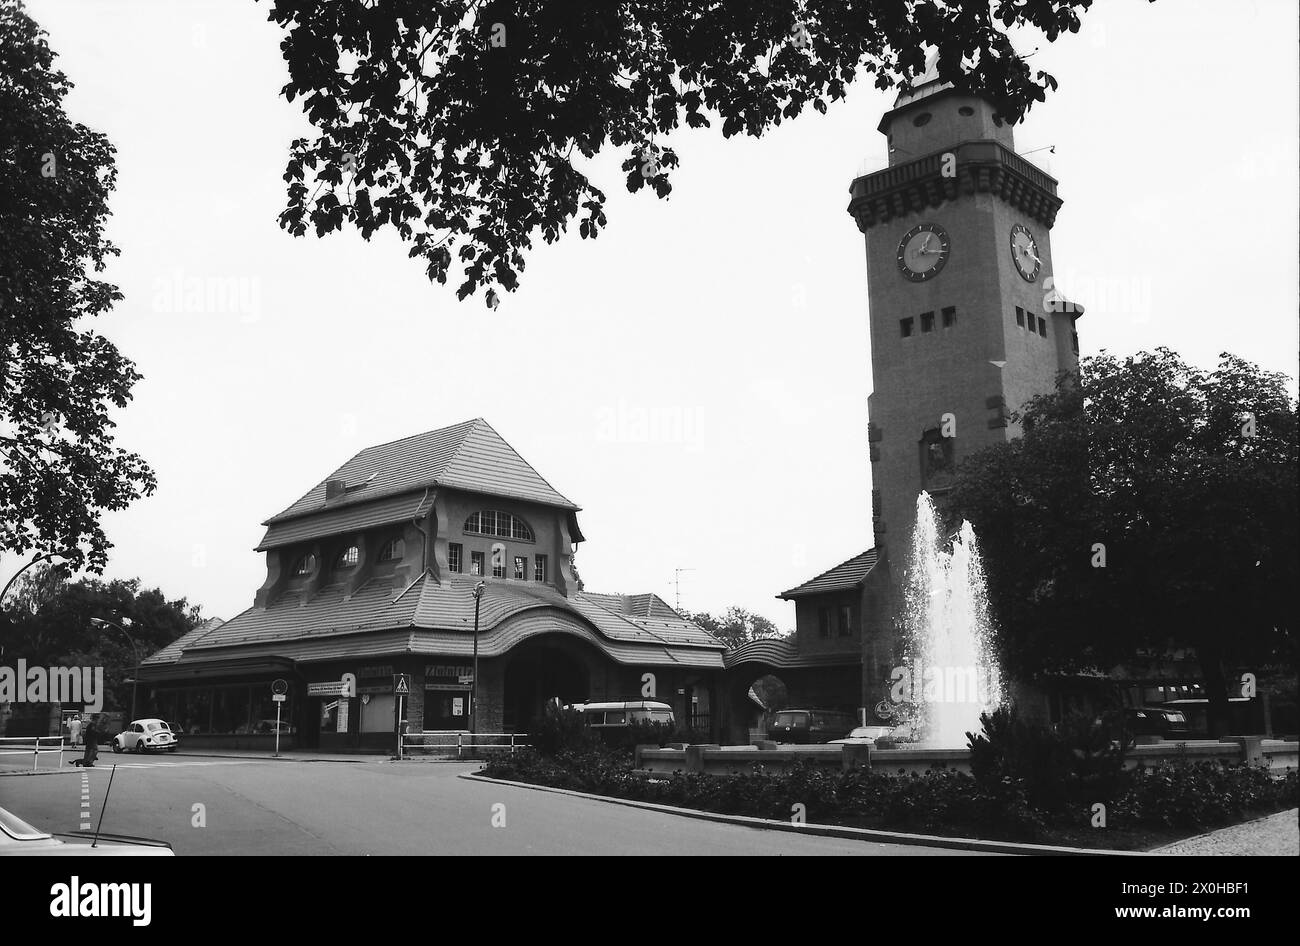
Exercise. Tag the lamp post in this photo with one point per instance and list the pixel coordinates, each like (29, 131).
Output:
(473, 707)
(135, 677)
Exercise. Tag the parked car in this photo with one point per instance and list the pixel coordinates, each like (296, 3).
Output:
(1155, 721)
(18, 837)
(863, 735)
(144, 735)
(266, 727)
(809, 725)
(621, 715)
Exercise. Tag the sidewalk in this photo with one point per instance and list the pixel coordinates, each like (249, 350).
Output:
(12, 764)
(1277, 834)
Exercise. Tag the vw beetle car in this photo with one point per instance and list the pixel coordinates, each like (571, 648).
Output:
(145, 735)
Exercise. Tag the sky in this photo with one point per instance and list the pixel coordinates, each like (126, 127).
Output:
(696, 379)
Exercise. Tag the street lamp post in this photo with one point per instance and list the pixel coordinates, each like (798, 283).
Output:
(473, 709)
(135, 677)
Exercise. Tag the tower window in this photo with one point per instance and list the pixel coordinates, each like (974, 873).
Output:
(539, 568)
(949, 316)
(846, 620)
(905, 327)
(305, 565)
(1074, 342)
(454, 551)
(1020, 316)
(966, 111)
(392, 551)
(348, 557)
(922, 119)
(521, 568)
(476, 563)
(1042, 326)
(824, 622)
(927, 322)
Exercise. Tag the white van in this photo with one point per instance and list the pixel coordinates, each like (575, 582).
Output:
(614, 715)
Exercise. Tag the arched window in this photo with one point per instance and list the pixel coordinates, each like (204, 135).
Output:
(305, 565)
(492, 522)
(392, 551)
(348, 557)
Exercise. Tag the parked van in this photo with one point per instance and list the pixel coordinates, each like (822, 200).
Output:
(810, 725)
(615, 715)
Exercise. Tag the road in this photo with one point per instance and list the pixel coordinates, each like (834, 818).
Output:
(266, 806)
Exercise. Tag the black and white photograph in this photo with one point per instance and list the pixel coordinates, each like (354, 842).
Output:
(856, 428)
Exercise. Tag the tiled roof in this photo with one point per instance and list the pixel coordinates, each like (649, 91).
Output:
(439, 619)
(469, 456)
(842, 577)
(172, 651)
(782, 652)
(353, 518)
(371, 607)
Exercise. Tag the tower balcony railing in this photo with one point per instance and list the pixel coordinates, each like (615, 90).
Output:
(931, 179)
(968, 152)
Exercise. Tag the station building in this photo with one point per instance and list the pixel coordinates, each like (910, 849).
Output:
(373, 573)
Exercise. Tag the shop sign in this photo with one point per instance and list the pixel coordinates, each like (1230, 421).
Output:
(446, 673)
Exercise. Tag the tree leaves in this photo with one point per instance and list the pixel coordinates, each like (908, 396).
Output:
(59, 468)
(453, 112)
(1186, 477)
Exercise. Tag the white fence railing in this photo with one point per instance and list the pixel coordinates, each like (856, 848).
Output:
(54, 745)
(461, 741)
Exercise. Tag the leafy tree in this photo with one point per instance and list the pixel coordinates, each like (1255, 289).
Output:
(59, 468)
(735, 626)
(1151, 503)
(49, 624)
(454, 122)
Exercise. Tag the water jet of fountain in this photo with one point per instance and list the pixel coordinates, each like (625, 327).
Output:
(949, 647)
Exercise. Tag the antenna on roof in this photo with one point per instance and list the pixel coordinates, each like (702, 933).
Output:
(677, 587)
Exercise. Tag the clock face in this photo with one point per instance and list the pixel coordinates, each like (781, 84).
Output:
(1024, 251)
(923, 251)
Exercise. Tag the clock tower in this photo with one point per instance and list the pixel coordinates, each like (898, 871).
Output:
(966, 325)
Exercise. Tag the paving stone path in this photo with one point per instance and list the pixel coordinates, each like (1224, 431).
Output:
(1276, 834)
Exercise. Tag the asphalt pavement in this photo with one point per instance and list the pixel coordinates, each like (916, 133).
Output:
(211, 805)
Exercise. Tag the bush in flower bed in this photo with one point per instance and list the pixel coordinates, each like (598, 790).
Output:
(915, 802)
(1177, 795)
(1201, 795)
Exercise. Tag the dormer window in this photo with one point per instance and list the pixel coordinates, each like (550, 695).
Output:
(349, 557)
(392, 551)
(494, 522)
(305, 565)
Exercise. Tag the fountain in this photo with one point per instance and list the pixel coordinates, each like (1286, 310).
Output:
(948, 658)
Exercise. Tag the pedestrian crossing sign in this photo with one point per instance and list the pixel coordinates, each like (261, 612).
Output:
(401, 684)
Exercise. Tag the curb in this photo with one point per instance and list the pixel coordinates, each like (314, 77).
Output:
(827, 831)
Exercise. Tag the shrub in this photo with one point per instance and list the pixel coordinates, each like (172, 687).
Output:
(559, 730)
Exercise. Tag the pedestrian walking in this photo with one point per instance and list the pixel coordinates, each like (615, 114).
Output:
(91, 735)
(74, 730)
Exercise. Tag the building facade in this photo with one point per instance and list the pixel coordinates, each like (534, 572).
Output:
(373, 574)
